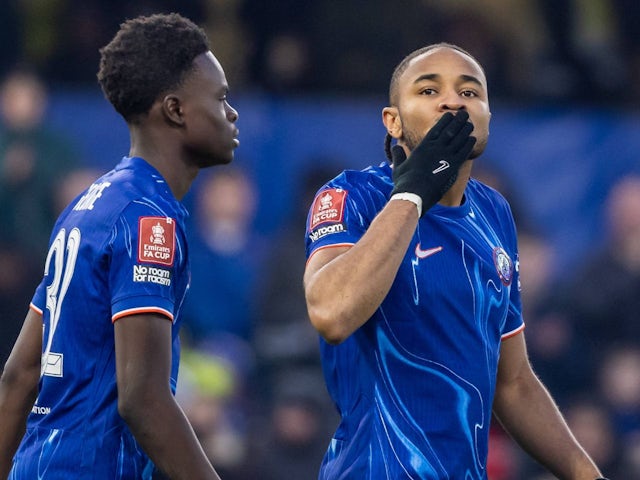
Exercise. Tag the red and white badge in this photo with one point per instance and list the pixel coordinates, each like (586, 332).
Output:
(328, 206)
(156, 240)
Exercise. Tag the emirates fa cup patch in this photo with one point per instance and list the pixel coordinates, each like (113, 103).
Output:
(156, 240)
(328, 206)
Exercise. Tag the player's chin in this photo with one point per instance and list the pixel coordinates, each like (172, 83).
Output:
(227, 152)
(230, 151)
(478, 149)
(220, 158)
(226, 158)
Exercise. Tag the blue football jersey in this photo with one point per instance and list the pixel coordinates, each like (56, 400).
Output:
(414, 385)
(118, 249)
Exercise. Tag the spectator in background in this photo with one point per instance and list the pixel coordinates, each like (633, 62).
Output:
(629, 465)
(10, 34)
(223, 24)
(611, 427)
(627, 15)
(280, 33)
(504, 461)
(213, 395)
(555, 349)
(227, 259)
(292, 439)
(558, 353)
(33, 160)
(603, 298)
(220, 316)
(74, 183)
(591, 423)
(619, 384)
(62, 38)
(288, 377)
(580, 56)
(19, 272)
(284, 338)
(20, 269)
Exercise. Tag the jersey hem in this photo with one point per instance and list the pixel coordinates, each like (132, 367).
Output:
(141, 310)
(36, 309)
(323, 247)
(512, 333)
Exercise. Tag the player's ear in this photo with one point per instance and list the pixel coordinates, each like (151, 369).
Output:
(172, 109)
(392, 121)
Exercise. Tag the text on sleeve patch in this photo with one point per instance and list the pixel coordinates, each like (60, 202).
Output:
(328, 206)
(156, 240)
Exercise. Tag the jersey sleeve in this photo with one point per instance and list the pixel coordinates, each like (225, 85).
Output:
(342, 211)
(515, 321)
(38, 302)
(146, 253)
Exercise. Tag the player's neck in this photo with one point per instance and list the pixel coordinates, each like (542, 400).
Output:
(162, 152)
(454, 196)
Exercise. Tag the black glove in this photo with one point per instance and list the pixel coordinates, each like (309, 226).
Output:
(433, 165)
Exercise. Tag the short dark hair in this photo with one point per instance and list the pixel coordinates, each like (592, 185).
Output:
(400, 69)
(149, 56)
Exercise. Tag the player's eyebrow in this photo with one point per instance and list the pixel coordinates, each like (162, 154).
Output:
(435, 77)
(427, 76)
(472, 79)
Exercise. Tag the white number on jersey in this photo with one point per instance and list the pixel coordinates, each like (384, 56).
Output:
(64, 252)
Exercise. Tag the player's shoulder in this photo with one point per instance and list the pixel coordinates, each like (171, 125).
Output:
(133, 177)
(376, 177)
(108, 196)
(132, 186)
(482, 191)
(489, 200)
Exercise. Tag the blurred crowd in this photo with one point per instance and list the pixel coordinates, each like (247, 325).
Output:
(251, 381)
(540, 50)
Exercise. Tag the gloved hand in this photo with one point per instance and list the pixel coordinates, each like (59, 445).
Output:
(432, 167)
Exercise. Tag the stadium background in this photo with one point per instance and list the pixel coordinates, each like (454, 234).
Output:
(309, 79)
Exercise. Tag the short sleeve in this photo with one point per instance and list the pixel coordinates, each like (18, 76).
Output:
(343, 209)
(145, 255)
(515, 321)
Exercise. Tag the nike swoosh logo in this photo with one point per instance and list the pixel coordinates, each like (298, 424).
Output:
(420, 253)
(443, 166)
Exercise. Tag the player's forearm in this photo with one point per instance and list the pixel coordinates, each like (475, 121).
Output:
(531, 417)
(164, 432)
(17, 395)
(19, 388)
(344, 293)
(11, 432)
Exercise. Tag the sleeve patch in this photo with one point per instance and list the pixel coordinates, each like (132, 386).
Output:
(328, 206)
(156, 240)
